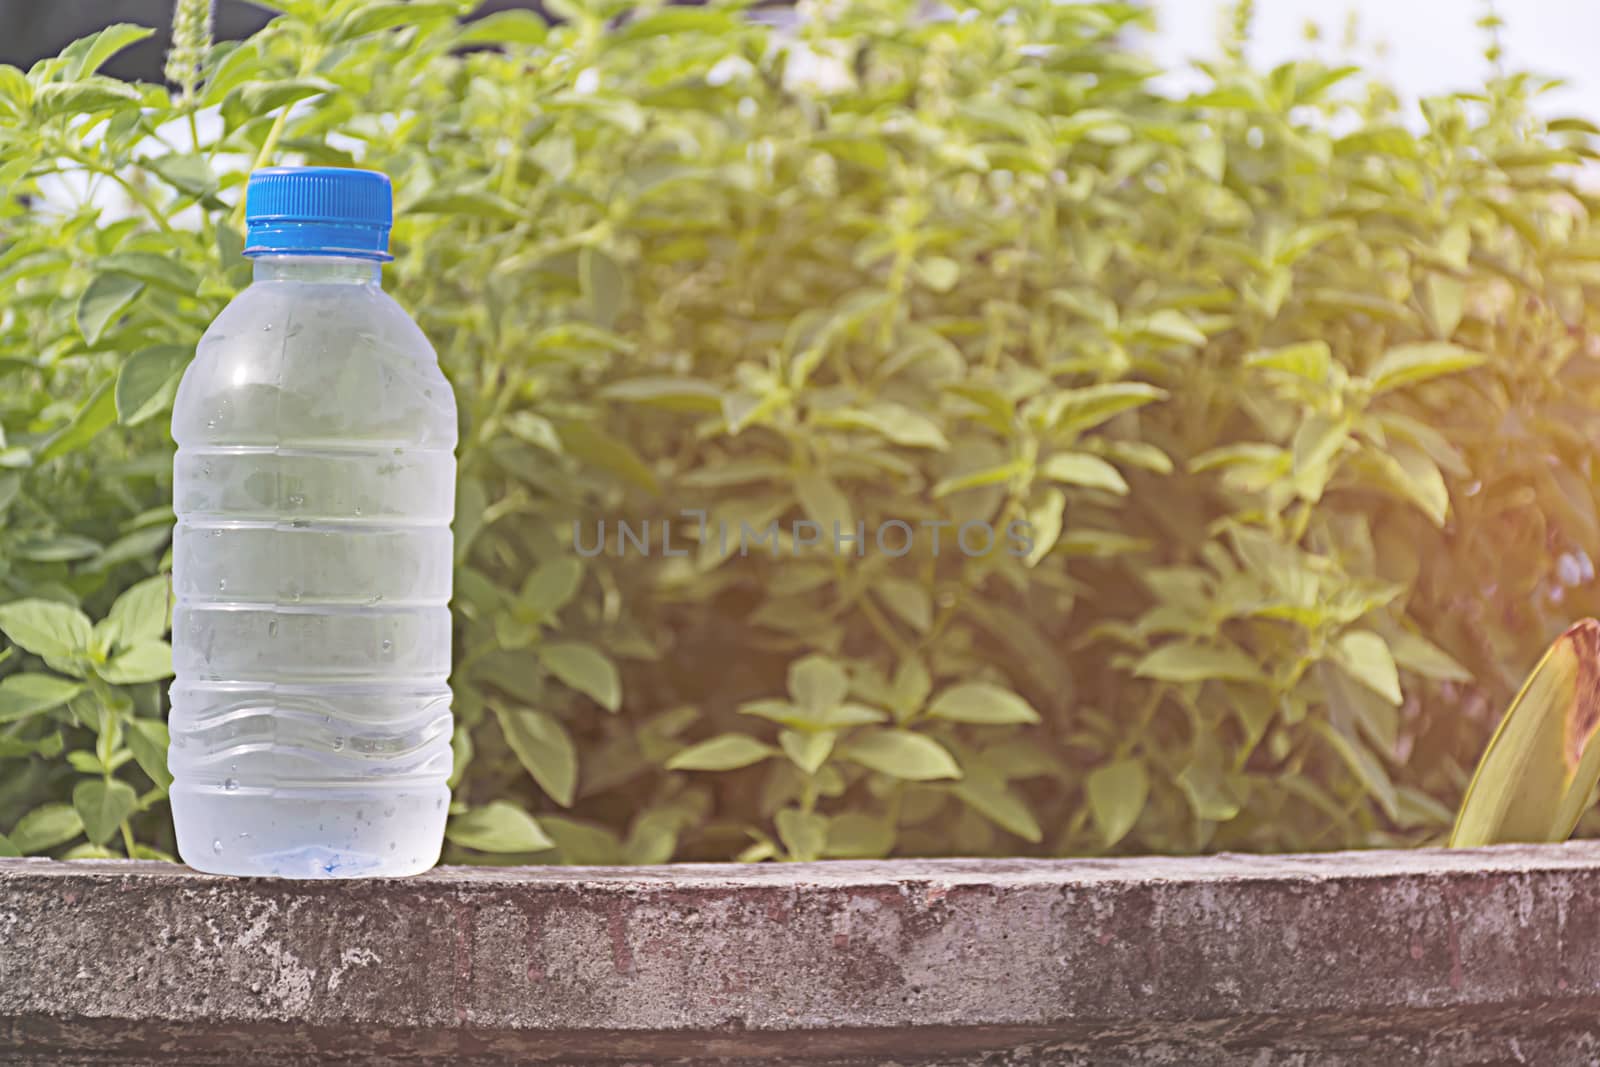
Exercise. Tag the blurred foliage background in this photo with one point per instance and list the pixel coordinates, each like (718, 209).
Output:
(1297, 389)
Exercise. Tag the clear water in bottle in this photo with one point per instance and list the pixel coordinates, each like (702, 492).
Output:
(314, 487)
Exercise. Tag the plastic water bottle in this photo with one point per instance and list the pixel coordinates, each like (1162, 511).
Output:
(314, 487)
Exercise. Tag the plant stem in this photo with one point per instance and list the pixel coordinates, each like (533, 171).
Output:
(138, 195)
(268, 146)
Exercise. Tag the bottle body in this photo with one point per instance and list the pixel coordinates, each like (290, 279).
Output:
(314, 486)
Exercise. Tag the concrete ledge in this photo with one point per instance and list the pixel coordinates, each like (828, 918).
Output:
(1421, 957)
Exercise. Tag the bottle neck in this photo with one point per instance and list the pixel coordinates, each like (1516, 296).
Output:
(325, 270)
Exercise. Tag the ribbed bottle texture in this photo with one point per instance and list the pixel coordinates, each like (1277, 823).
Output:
(314, 486)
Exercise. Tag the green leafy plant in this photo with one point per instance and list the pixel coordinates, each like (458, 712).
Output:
(1295, 396)
(102, 687)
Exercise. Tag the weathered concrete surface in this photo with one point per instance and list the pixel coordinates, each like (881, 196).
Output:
(1487, 957)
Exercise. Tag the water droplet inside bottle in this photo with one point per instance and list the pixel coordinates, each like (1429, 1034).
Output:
(222, 584)
(437, 804)
(267, 328)
(296, 499)
(211, 424)
(216, 845)
(272, 628)
(338, 743)
(230, 784)
(207, 468)
(391, 846)
(388, 646)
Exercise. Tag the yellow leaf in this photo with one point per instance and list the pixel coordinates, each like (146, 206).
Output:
(1535, 778)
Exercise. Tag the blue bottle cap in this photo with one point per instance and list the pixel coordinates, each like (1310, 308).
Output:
(318, 211)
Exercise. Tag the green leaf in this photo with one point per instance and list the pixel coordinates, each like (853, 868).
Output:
(979, 479)
(88, 851)
(25, 695)
(586, 669)
(148, 739)
(1410, 364)
(149, 661)
(505, 27)
(1368, 768)
(903, 426)
(84, 97)
(601, 450)
(60, 549)
(909, 600)
(854, 835)
(1117, 794)
(982, 702)
(1194, 662)
(135, 545)
(1077, 410)
(902, 754)
(45, 827)
(498, 826)
(545, 749)
(15, 90)
(258, 98)
(804, 834)
(1208, 792)
(1409, 473)
(189, 174)
(89, 54)
(98, 412)
(808, 751)
(49, 746)
(688, 395)
(1081, 468)
(723, 753)
(8, 850)
(911, 685)
(102, 301)
(825, 505)
(1045, 520)
(939, 273)
(1416, 653)
(1171, 325)
(46, 628)
(142, 613)
(605, 286)
(164, 272)
(1365, 657)
(102, 805)
(1307, 360)
(375, 17)
(552, 585)
(472, 203)
(1446, 298)
(817, 684)
(1002, 805)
